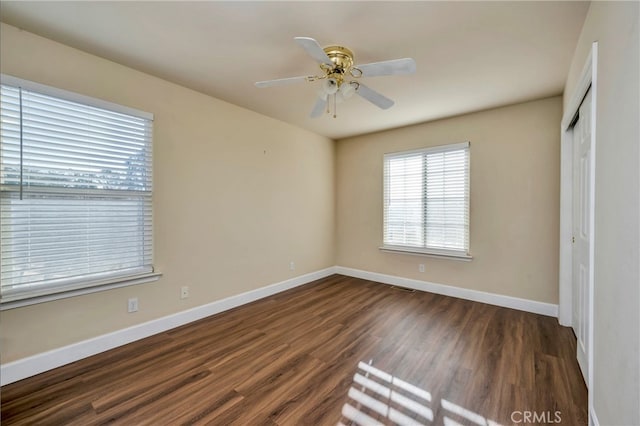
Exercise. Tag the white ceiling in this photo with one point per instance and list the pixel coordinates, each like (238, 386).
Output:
(470, 55)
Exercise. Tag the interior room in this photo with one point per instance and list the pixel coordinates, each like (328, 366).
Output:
(289, 213)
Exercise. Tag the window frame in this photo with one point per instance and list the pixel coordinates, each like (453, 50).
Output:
(442, 252)
(77, 286)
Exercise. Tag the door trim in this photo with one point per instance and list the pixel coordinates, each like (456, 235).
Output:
(588, 80)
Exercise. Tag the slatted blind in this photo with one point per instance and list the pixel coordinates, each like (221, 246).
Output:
(426, 199)
(75, 194)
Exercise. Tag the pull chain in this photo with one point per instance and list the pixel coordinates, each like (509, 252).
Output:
(334, 104)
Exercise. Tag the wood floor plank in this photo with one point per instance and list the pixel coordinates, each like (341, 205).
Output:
(144, 405)
(294, 358)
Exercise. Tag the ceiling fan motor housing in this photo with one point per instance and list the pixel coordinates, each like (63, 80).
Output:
(342, 59)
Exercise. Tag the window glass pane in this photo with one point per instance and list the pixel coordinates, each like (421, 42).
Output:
(404, 218)
(446, 191)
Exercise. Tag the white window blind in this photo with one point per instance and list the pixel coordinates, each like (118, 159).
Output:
(426, 200)
(75, 194)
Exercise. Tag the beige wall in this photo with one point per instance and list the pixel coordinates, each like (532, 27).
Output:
(515, 169)
(616, 369)
(237, 197)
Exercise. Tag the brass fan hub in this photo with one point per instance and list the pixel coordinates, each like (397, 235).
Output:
(341, 57)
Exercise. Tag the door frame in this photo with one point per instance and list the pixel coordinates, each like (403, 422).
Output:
(588, 80)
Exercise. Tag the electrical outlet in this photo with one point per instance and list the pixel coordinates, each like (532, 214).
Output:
(132, 305)
(184, 292)
(421, 267)
(292, 266)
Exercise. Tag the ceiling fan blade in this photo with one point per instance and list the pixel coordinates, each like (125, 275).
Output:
(392, 67)
(280, 81)
(314, 50)
(374, 97)
(318, 108)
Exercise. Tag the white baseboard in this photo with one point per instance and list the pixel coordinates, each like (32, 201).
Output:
(36, 364)
(461, 293)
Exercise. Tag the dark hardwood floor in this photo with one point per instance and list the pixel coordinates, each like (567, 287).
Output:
(333, 351)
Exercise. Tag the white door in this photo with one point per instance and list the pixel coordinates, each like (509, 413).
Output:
(582, 231)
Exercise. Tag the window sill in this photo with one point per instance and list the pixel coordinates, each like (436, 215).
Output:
(18, 301)
(428, 253)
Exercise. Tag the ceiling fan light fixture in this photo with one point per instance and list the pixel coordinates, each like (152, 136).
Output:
(348, 89)
(330, 86)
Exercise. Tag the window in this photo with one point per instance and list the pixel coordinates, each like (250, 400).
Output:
(426, 201)
(75, 192)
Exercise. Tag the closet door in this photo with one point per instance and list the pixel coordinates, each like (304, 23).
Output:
(582, 231)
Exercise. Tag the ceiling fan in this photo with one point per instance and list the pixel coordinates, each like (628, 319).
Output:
(340, 77)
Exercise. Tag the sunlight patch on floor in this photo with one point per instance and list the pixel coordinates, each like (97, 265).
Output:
(377, 397)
